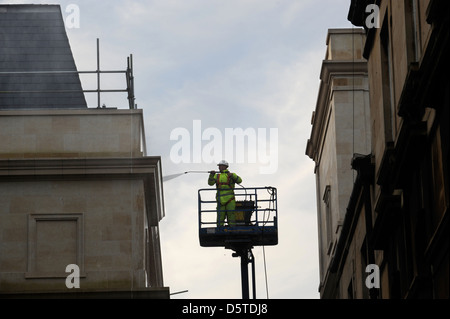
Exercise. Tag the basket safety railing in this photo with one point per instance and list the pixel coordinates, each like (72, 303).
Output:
(255, 206)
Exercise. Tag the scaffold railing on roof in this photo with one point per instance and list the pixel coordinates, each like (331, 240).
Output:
(129, 78)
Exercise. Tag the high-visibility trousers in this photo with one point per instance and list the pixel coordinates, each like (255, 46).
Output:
(228, 211)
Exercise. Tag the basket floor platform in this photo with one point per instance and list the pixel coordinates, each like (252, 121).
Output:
(228, 236)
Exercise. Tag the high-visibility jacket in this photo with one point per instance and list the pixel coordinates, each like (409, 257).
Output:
(225, 185)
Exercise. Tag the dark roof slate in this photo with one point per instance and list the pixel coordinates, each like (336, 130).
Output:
(33, 39)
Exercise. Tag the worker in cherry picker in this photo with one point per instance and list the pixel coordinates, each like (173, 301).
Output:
(226, 202)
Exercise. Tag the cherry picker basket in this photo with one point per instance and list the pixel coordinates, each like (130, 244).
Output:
(256, 218)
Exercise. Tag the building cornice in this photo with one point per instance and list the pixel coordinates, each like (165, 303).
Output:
(147, 169)
(75, 112)
(330, 69)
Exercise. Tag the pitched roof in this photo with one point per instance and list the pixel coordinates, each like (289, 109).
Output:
(34, 49)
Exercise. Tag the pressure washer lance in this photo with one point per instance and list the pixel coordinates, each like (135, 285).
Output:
(169, 177)
(201, 172)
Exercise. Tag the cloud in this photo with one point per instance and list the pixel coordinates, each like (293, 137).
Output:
(252, 84)
(231, 64)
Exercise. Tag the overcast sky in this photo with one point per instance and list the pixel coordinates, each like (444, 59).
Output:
(250, 64)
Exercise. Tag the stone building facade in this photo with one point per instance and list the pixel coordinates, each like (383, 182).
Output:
(394, 239)
(340, 128)
(80, 200)
(406, 183)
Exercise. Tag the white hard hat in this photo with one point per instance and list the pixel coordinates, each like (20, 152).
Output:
(223, 162)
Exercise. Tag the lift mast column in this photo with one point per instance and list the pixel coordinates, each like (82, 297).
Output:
(246, 258)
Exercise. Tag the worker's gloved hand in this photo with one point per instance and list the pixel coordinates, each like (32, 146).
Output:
(212, 172)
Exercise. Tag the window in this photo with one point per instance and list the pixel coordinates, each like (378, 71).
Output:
(439, 201)
(364, 263)
(328, 218)
(416, 28)
(350, 290)
(387, 78)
